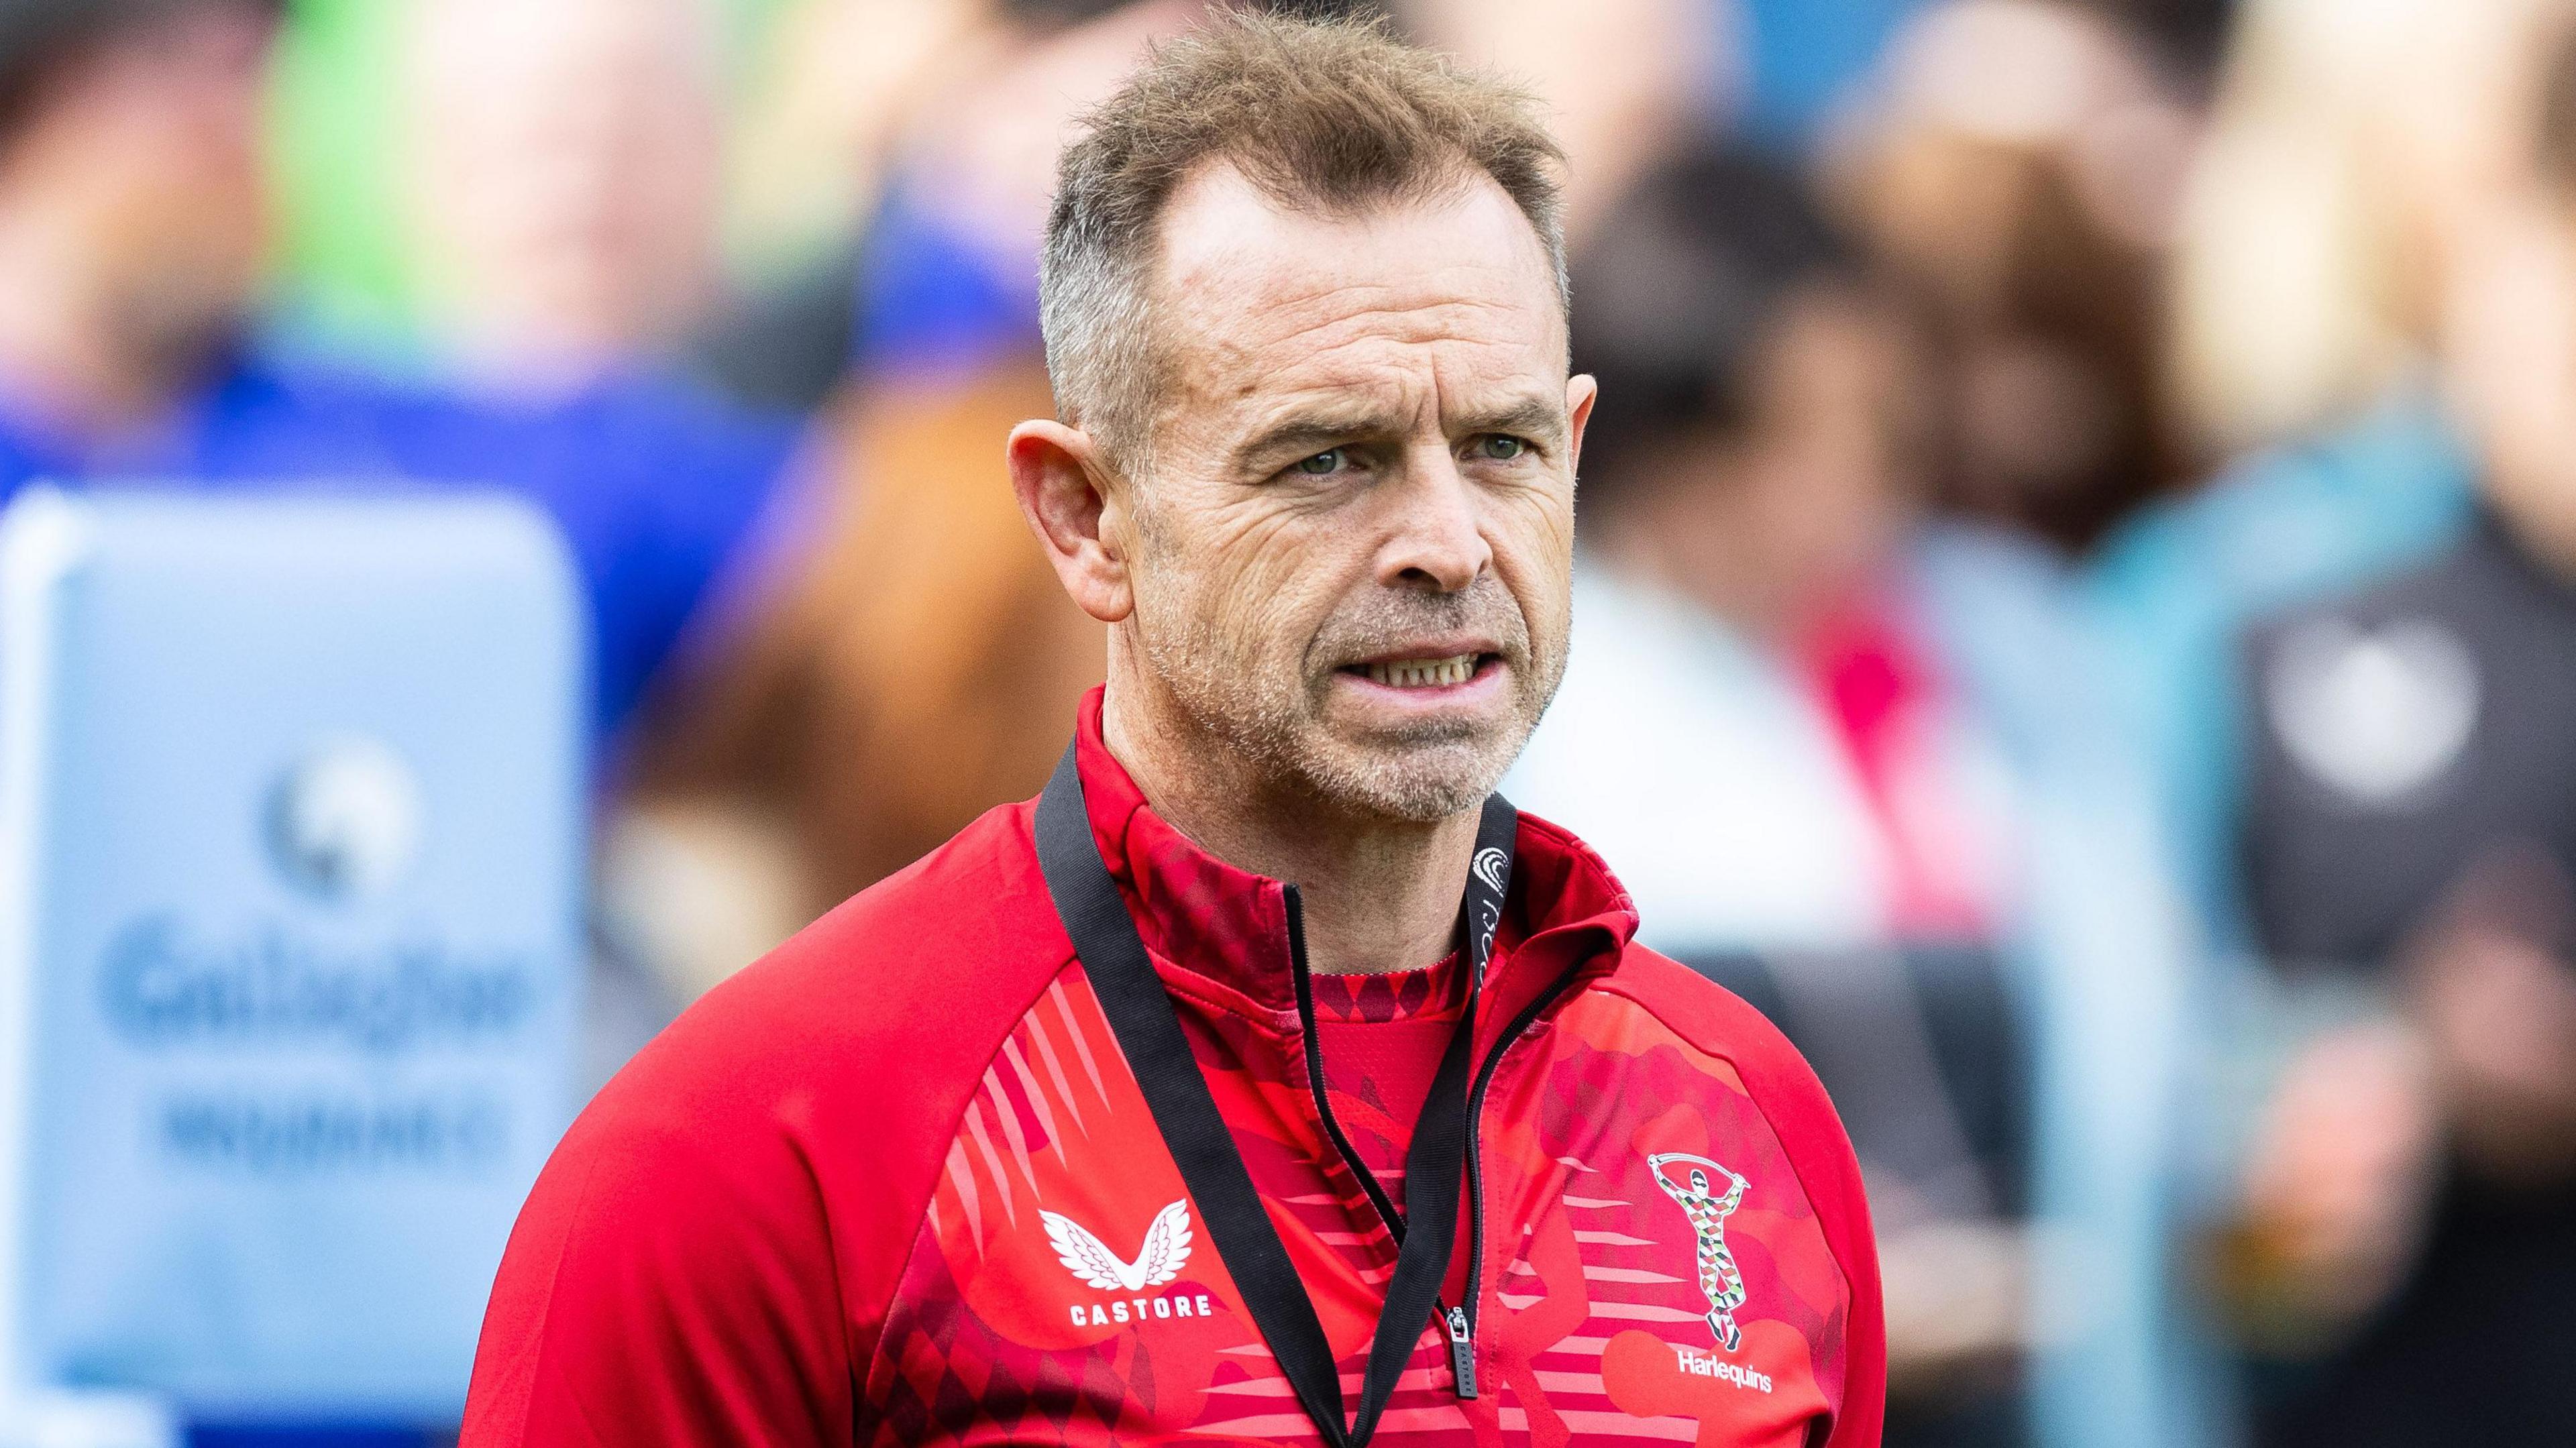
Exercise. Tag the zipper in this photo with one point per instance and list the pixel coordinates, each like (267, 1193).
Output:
(1462, 1319)
(1462, 1351)
(1462, 1336)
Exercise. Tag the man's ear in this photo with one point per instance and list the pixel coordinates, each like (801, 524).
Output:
(1062, 485)
(1580, 393)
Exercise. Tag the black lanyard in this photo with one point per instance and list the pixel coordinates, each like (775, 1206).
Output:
(1149, 1031)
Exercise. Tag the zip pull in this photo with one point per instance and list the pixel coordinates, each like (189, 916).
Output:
(1462, 1352)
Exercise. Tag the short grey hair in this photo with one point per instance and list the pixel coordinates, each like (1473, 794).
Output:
(1320, 115)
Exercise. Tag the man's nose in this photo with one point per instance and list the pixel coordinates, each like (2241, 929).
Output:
(1438, 539)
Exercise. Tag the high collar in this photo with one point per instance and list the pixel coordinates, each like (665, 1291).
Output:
(1220, 934)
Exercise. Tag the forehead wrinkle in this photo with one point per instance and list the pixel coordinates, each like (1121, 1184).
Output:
(1366, 355)
(1348, 411)
(1392, 402)
(1397, 376)
(1376, 364)
(1452, 279)
(1221, 236)
(1362, 350)
(1377, 351)
(1304, 286)
(1297, 272)
(1264, 323)
(1416, 307)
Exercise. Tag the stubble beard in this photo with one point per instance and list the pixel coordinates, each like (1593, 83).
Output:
(1269, 719)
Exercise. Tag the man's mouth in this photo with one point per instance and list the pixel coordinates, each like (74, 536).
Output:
(1436, 673)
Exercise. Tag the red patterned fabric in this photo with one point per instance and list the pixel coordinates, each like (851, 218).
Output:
(896, 1185)
(1382, 1038)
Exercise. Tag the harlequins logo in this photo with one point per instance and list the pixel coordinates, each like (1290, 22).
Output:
(1692, 1182)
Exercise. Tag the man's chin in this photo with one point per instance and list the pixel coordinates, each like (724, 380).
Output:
(1419, 781)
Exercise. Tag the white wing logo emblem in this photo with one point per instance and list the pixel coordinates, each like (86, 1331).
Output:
(1166, 1251)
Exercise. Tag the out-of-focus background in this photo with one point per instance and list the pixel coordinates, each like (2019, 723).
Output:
(2076, 619)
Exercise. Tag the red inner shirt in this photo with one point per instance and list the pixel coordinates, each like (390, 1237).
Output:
(1382, 1038)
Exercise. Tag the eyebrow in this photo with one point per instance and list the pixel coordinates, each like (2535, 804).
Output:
(1314, 431)
(1536, 416)
(1310, 433)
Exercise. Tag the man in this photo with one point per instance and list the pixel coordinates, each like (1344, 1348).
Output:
(134, 223)
(1087, 1127)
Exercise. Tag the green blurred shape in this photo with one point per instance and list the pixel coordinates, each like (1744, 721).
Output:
(335, 136)
(346, 273)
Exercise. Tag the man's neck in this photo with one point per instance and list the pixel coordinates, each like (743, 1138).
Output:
(1379, 894)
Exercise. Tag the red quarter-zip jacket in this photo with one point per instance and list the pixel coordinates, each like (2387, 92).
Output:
(895, 1184)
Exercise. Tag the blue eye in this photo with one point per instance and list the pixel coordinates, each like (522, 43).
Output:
(1501, 448)
(1322, 464)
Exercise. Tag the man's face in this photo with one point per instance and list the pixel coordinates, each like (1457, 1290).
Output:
(1352, 543)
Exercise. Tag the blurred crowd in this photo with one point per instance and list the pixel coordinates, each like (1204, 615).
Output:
(2076, 607)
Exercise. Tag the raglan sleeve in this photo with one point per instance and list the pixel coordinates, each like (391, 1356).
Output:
(659, 1292)
(1810, 1132)
(1820, 1150)
(710, 1256)
(1834, 1175)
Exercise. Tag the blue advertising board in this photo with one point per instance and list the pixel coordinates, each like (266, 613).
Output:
(291, 819)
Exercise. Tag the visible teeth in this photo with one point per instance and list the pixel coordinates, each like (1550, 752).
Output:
(1424, 673)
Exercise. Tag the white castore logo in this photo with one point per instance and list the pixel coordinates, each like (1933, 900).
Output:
(1166, 1251)
(1491, 866)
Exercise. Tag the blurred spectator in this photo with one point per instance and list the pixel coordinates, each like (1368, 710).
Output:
(2348, 144)
(835, 84)
(2177, 586)
(919, 673)
(133, 222)
(1805, 60)
(1743, 488)
(1851, 765)
(2192, 35)
(2018, 163)
(831, 83)
(1621, 78)
(565, 179)
(2408, 828)
(852, 97)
